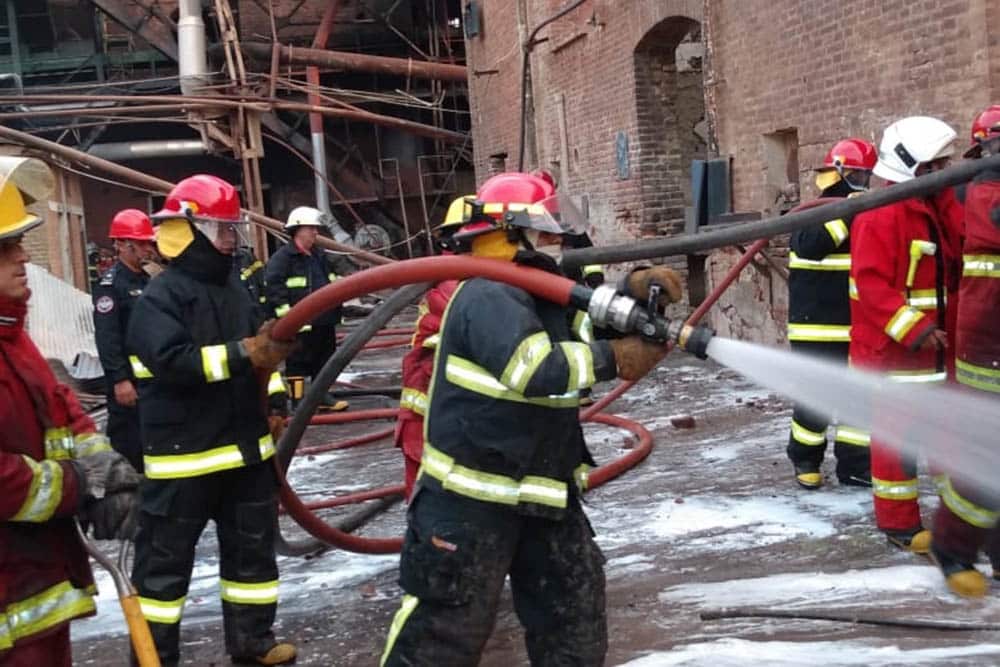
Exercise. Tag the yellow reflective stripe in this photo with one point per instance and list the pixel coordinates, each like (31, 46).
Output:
(583, 327)
(398, 621)
(832, 262)
(852, 436)
(250, 270)
(582, 476)
(924, 299)
(837, 333)
(528, 356)
(921, 375)
(47, 609)
(837, 230)
(58, 443)
(227, 457)
(305, 327)
(296, 281)
(981, 266)
(413, 399)
(918, 249)
(88, 444)
(331, 276)
(978, 516)
(215, 362)
(44, 492)
(162, 611)
(805, 436)
(139, 370)
(591, 269)
(492, 208)
(431, 342)
(238, 592)
(852, 289)
(581, 365)
(902, 322)
(474, 378)
(282, 310)
(275, 385)
(489, 487)
(979, 377)
(901, 490)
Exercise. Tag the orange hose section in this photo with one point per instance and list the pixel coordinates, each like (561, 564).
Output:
(399, 331)
(346, 444)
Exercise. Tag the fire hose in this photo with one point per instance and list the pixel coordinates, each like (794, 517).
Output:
(606, 307)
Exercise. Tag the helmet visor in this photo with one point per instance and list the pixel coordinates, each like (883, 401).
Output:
(557, 214)
(225, 235)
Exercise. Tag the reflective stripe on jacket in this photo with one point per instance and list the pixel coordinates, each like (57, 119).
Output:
(818, 266)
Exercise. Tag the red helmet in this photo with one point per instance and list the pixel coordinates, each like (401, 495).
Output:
(131, 224)
(985, 124)
(851, 154)
(202, 197)
(546, 176)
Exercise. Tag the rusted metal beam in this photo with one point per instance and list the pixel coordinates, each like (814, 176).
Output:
(51, 149)
(148, 22)
(359, 62)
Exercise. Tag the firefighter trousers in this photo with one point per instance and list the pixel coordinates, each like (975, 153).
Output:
(456, 555)
(123, 432)
(807, 439)
(174, 513)
(312, 350)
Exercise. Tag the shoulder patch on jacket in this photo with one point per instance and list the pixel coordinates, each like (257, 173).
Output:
(105, 305)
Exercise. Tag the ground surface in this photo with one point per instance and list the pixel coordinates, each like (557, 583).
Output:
(711, 519)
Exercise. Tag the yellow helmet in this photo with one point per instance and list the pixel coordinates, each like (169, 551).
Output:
(459, 212)
(21, 180)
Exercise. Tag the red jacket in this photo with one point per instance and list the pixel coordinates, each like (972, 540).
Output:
(418, 364)
(902, 261)
(43, 566)
(978, 330)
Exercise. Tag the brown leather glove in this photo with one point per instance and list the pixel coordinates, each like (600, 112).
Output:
(264, 351)
(635, 356)
(638, 282)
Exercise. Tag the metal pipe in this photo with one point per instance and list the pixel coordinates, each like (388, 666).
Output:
(94, 112)
(316, 118)
(842, 208)
(191, 54)
(138, 150)
(359, 62)
(155, 184)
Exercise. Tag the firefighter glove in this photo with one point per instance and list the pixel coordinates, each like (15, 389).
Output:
(264, 351)
(106, 472)
(638, 282)
(635, 356)
(114, 516)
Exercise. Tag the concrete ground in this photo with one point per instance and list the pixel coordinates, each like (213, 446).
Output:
(712, 519)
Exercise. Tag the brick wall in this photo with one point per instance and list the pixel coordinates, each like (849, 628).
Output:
(812, 72)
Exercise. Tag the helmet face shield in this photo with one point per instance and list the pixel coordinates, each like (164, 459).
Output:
(557, 214)
(225, 235)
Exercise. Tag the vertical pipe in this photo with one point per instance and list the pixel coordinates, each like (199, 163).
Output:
(316, 119)
(191, 54)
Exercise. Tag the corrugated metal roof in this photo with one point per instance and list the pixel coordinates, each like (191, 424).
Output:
(60, 317)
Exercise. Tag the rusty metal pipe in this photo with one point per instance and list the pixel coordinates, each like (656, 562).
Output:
(358, 62)
(155, 184)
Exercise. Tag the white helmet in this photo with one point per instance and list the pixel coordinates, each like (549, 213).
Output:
(910, 142)
(305, 216)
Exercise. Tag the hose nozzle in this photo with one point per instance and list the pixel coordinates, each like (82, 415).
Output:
(694, 340)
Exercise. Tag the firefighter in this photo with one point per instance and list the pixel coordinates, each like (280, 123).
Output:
(819, 315)
(900, 254)
(497, 491)
(295, 271)
(418, 363)
(114, 297)
(966, 515)
(53, 465)
(251, 273)
(206, 440)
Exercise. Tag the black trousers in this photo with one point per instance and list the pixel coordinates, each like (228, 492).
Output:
(456, 555)
(243, 504)
(123, 431)
(311, 351)
(807, 440)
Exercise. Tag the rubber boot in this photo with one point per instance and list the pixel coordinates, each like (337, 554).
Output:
(963, 579)
(279, 654)
(808, 476)
(916, 540)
